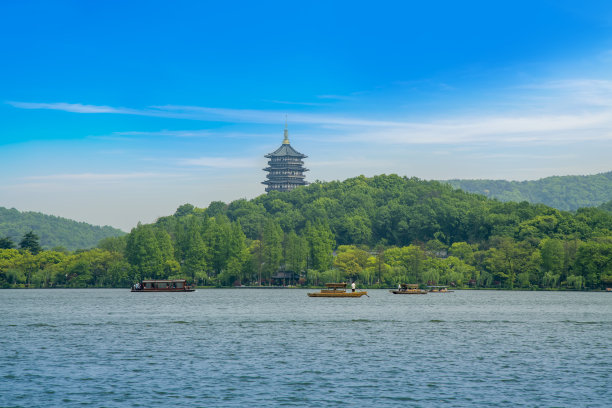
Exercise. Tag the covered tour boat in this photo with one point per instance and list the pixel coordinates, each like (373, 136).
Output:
(337, 290)
(174, 285)
(409, 289)
(439, 289)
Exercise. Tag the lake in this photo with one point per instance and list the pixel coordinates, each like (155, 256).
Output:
(256, 347)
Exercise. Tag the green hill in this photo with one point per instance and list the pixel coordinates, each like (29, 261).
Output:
(380, 231)
(53, 231)
(606, 206)
(566, 193)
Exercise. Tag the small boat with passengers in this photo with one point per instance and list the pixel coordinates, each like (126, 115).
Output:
(439, 289)
(337, 290)
(173, 285)
(409, 289)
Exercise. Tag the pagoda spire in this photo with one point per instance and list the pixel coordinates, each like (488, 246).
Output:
(286, 139)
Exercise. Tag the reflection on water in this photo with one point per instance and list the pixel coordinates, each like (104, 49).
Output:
(240, 347)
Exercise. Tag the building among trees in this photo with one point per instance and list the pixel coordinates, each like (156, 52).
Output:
(285, 167)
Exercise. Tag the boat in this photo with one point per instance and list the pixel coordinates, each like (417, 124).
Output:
(337, 290)
(409, 289)
(173, 285)
(439, 289)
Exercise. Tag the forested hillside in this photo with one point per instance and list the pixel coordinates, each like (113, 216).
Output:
(53, 231)
(380, 231)
(606, 206)
(566, 193)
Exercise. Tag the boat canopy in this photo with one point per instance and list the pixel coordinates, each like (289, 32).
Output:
(336, 285)
(164, 280)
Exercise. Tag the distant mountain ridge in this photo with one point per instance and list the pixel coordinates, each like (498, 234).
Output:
(566, 193)
(53, 231)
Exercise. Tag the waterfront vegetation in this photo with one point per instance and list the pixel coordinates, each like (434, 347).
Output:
(379, 231)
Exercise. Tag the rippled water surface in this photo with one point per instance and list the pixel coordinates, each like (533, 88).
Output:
(249, 347)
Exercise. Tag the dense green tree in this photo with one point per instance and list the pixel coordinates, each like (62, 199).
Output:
(295, 252)
(148, 251)
(217, 240)
(552, 255)
(351, 261)
(237, 256)
(594, 261)
(113, 244)
(321, 245)
(183, 210)
(6, 243)
(272, 249)
(30, 242)
(194, 252)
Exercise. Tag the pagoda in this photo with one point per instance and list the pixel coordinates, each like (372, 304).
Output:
(285, 168)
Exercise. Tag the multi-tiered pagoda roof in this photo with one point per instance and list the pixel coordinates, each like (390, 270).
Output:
(285, 168)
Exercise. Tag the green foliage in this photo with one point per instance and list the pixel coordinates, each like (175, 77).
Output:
(53, 231)
(567, 193)
(30, 243)
(6, 243)
(272, 238)
(378, 231)
(606, 206)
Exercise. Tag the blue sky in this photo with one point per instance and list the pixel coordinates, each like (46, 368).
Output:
(117, 112)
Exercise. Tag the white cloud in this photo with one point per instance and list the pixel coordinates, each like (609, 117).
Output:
(220, 162)
(294, 103)
(171, 133)
(71, 107)
(549, 112)
(92, 177)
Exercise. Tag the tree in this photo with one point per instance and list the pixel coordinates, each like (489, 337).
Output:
(31, 243)
(113, 244)
(237, 256)
(321, 244)
(184, 210)
(553, 254)
(351, 261)
(272, 239)
(194, 253)
(295, 252)
(6, 243)
(594, 262)
(143, 251)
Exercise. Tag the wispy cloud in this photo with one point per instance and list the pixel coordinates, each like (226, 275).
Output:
(72, 107)
(172, 133)
(134, 135)
(221, 162)
(92, 177)
(567, 110)
(294, 103)
(578, 92)
(336, 97)
(93, 109)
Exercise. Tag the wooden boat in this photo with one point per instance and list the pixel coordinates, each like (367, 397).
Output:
(409, 289)
(439, 289)
(337, 290)
(174, 285)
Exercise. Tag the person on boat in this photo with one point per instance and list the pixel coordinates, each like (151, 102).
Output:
(399, 286)
(353, 286)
